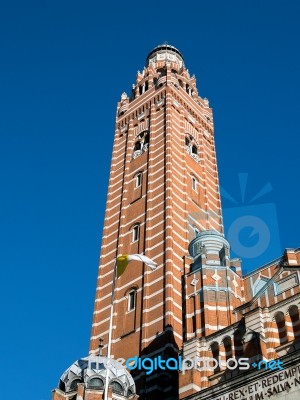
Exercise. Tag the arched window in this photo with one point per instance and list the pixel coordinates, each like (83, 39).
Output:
(141, 144)
(191, 146)
(238, 344)
(135, 233)
(74, 384)
(96, 383)
(215, 349)
(131, 300)
(227, 347)
(162, 71)
(294, 315)
(280, 322)
(117, 387)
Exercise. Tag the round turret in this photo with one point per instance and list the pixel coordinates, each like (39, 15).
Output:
(212, 241)
(93, 371)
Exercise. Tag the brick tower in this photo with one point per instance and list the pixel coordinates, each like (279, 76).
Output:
(164, 202)
(163, 191)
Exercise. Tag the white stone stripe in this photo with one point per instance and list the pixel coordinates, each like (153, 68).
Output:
(145, 325)
(137, 218)
(124, 298)
(148, 228)
(135, 281)
(143, 197)
(195, 107)
(153, 337)
(214, 327)
(120, 181)
(145, 310)
(140, 215)
(207, 307)
(190, 386)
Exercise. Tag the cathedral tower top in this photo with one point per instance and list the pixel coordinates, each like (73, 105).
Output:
(165, 52)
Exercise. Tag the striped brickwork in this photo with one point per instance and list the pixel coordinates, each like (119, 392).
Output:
(179, 195)
(164, 201)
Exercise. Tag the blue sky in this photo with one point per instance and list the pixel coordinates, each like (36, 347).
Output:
(63, 67)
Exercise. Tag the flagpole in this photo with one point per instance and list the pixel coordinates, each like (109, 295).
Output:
(110, 329)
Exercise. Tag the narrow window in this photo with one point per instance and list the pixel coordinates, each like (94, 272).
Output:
(194, 323)
(194, 183)
(194, 149)
(138, 179)
(131, 300)
(135, 233)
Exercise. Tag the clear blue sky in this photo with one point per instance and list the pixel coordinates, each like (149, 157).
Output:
(63, 66)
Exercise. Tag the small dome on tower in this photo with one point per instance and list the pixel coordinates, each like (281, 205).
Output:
(212, 241)
(165, 52)
(93, 372)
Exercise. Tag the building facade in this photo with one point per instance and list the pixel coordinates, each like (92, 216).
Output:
(164, 202)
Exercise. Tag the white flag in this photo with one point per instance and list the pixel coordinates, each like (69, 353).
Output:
(123, 260)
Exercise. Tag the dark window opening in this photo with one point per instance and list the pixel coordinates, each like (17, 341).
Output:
(280, 322)
(74, 384)
(294, 315)
(62, 386)
(131, 300)
(116, 387)
(138, 180)
(194, 323)
(135, 233)
(227, 348)
(137, 146)
(96, 383)
(194, 183)
(215, 353)
(194, 149)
